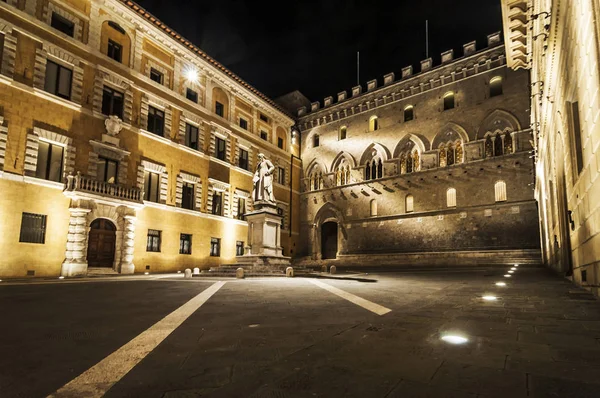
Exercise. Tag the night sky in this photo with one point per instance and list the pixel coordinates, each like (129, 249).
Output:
(281, 46)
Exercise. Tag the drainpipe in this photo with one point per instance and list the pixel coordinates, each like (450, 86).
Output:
(292, 156)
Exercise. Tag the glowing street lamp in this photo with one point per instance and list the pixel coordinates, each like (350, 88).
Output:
(191, 74)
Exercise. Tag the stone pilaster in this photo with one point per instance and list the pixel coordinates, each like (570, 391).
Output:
(76, 255)
(126, 265)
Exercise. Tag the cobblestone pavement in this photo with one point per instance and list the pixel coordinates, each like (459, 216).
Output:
(292, 338)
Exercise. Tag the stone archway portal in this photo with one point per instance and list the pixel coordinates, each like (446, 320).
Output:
(329, 240)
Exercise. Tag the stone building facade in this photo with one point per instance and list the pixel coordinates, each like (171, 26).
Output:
(125, 147)
(558, 42)
(433, 168)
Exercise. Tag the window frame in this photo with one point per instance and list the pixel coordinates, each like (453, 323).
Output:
(215, 247)
(189, 187)
(241, 208)
(191, 95)
(149, 187)
(108, 161)
(239, 244)
(243, 123)
(447, 105)
(153, 241)
(29, 234)
(110, 92)
(157, 76)
(114, 50)
(183, 239)
(220, 154)
(217, 206)
(280, 143)
(281, 175)
(343, 134)
(190, 129)
(409, 113)
(155, 115)
(219, 109)
(264, 135)
(49, 160)
(57, 80)
(68, 24)
(244, 161)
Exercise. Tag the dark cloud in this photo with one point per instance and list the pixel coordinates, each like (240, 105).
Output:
(280, 46)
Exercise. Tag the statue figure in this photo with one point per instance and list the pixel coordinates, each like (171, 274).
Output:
(263, 180)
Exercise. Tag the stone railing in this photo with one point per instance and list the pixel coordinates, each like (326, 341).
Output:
(79, 183)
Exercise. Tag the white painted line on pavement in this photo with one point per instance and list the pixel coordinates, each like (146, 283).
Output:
(98, 379)
(366, 304)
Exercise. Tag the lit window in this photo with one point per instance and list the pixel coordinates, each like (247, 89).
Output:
(373, 123)
(187, 197)
(49, 161)
(217, 203)
(191, 136)
(191, 95)
(500, 191)
(495, 86)
(185, 244)
(108, 170)
(409, 203)
(409, 113)
(448, 101)
(219, 109)
(220, 148)
(239, 248)
(62, 24)
(112, 102)
(280, 175)
(156, 76)
(215, 247)
(343, 132)
(151, 186)
(244, 124)
(373, 207)
(316, 140)
(451, 197)
(115, 50)
(33, 228)
(156, 121)
(153, 241)
(58, 80)
(243, 161)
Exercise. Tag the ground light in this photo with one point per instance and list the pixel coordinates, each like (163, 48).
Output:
(61, 277)
(507, 275)
(489, 298)
(146, 273)
(513, 268)
(511, 271)
(454, 339)
(516, 265)
(500, 284)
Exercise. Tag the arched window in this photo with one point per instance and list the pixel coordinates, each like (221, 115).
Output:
(409, 203)
(496, 86)
(498, 145)
(373, 207)
(489, 147)
(368, 171)
(500, 191)
(373, 123)
(373, 170)
(448, 100)
(450, 156)
(347, 175)
(316, 140)
(416, 157)
(409, 113)
(508, 144)
(451, 197)
(342, 175)
(458, 157)
(338, 177)
(343, 133)
(316, 180)
(379, 169)
(442, 156)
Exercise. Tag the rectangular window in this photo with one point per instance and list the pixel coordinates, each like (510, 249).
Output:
(410, 204)
(187, 200)
(115, 50)
(185, 244)
(33, 228)
(62, 24)
(219, 108)
(108, 170)
(191, 136)
(281, 175)
(244, 124)
(49, 161)
(264, 135)
(215, 247)
(217, 203)
(239, 248)
(280, 142)
(151, 187)
(241, 210)
(280, 213)
(220, 148)
(153, 241)
(191, 95)
(243, 159)
(343, 133)
(58, 80)
(264, 118)
(156, 76)
(576, 127)
(112, 102)
(156, 121)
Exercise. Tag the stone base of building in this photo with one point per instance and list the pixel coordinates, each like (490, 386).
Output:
(264, 262)
(74, 268)
(432, 259)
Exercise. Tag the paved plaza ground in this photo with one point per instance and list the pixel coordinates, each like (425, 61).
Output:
(369, 335)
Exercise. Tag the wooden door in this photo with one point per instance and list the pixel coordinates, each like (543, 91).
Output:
(101, 243)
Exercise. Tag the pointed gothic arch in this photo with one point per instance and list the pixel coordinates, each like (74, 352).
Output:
(498, 120)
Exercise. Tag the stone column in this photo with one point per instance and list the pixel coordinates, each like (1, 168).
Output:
(77, 241)
(126, 266)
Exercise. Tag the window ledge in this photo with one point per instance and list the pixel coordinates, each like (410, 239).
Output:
(223, 162)
(44, 183)
(56, 99)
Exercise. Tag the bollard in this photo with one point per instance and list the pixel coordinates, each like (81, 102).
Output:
(239, 273)
(188, 273)
(324, 268)
(333, 269)
(289, 272)
(196, 271)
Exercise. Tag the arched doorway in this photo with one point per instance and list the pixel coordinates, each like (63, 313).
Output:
(329, 240)
(101, 243)
(563, 242)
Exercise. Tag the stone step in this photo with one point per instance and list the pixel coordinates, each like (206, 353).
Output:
(92, 271)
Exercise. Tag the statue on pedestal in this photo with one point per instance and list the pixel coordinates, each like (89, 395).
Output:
(263, 180)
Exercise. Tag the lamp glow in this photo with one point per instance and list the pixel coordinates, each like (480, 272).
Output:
(500, 284)
(516, 265)
(191, 74)
(511, 271)
(507, 275)
(454, 339)
(61, 277)
(490, 298)
(146, 273)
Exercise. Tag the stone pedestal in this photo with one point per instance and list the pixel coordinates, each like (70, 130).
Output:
(126, 265)
(264, 238)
